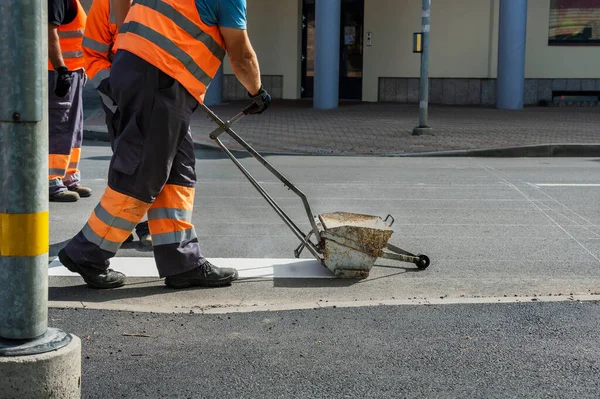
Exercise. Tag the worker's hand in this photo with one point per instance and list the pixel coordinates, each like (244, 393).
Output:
(261, 102)
(62, 86)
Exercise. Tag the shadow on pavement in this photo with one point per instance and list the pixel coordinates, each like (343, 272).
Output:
(147, 287)
(83, 293)
(140, 287)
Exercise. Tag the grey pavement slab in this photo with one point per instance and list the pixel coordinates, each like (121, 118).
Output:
(531, 350)
(487, 228)
(386, 128)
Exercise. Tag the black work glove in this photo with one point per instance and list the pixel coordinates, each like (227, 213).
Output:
(261, 102)
(62, 86)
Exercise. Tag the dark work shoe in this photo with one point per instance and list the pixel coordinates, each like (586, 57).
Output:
(206, 275)
(95, 278)
(64, 196)
(83, 192)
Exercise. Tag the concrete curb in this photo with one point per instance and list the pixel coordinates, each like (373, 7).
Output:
(526, 151)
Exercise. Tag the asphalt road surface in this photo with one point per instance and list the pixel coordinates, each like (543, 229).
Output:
(527, 350)
(492, 228)
(497, 231)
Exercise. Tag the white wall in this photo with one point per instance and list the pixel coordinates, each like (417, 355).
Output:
(464, 43)
(463, 40)
(275, 32)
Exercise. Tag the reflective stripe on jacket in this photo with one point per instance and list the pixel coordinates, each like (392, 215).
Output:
(170, 35)
(70, 37)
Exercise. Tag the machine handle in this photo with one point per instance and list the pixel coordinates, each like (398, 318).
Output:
(226, 127)
(247, 110)
(390, 217)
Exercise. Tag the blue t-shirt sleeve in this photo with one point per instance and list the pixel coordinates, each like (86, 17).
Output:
(226, 13)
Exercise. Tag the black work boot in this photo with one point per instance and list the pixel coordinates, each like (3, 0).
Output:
(93, 277)
(83, 192)
(206, 275)
(65, 196)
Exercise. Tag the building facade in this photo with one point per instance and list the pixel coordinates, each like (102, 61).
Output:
(372, 41)
(562, 49)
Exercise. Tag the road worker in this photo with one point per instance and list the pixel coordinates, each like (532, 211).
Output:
(98, 51)
(66, 78)
(167, 54)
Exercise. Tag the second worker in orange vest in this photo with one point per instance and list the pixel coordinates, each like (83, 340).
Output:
(168, 51)
(98, 52)
(66, 78)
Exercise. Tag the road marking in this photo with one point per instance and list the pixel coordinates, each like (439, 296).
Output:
(589, 223)
(566, 184)
(492, 170)
(247, 268)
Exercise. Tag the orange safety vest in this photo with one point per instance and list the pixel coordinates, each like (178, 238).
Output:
(170, 35)
(70, 37)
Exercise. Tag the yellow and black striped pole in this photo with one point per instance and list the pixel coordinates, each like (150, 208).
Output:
(24, 171)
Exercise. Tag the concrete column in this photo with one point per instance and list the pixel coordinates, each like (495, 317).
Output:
(327, 53)
(512, 35)
(214, 93)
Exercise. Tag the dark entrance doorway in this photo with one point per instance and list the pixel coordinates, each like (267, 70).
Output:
(351, 48)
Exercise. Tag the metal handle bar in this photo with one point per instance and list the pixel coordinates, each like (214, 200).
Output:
(226, 127)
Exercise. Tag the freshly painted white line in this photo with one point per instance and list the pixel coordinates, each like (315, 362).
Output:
(247, 268)
(567, 185)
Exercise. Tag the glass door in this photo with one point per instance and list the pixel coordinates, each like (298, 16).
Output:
(351, 48)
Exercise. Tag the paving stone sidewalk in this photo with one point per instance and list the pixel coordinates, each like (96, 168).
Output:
(386, 129)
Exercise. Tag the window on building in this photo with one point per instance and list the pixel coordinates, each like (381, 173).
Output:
(574, 22)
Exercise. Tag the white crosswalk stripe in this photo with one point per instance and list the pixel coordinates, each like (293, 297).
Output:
(247, 268)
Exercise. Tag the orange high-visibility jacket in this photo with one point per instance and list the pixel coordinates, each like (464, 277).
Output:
(70, 38)
(98, 41)
(170, 35)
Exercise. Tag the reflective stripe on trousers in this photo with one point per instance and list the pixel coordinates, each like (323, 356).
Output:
(113, 220)
(170, 217)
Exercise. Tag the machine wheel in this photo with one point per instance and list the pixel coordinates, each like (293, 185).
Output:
(423, 262)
